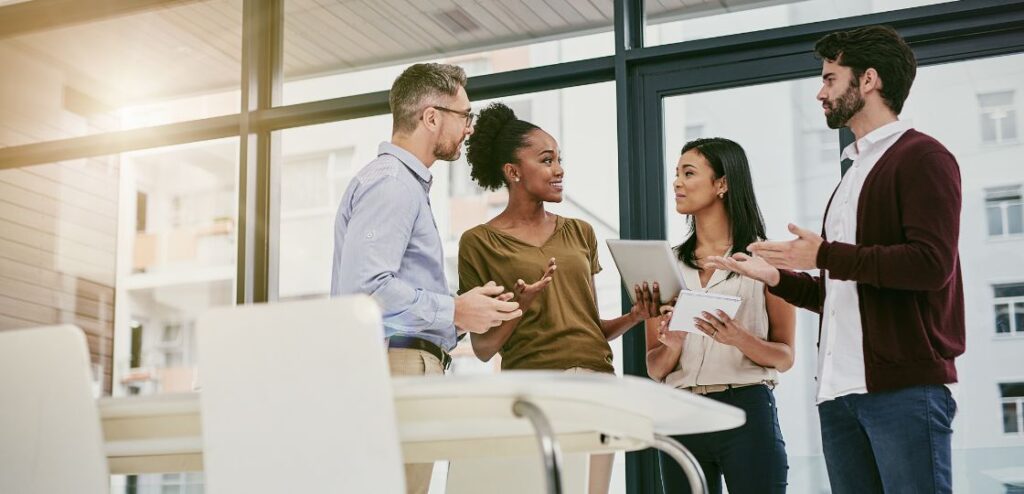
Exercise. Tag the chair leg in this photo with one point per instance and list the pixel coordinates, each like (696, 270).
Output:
(681, 455)
(552, 454)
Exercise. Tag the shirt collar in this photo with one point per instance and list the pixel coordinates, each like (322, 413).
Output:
(411, 162)
(864, 144)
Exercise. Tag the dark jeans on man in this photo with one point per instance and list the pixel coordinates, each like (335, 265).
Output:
(893, 441)
(752, 457)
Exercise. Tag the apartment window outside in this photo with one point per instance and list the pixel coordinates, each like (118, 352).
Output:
(1013, 407)
(998, 117)
(1009, 308)
(1004, 211)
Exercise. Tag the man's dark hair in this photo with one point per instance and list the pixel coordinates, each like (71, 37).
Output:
(877, 47)
(419, 86)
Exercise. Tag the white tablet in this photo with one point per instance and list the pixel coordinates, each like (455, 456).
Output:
(692, 304)
(647, 260)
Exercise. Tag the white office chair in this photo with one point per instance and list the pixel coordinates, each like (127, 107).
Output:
(297, 397)
(50, 436)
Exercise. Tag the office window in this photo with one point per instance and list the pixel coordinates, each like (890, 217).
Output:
(1013, 407)
(1009, 309)
(312, 183)
(998, 117)
(694, 131)
(139, 68)
(179, 250)
(1004, 211)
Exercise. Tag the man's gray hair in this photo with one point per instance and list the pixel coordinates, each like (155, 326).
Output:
(418, 86)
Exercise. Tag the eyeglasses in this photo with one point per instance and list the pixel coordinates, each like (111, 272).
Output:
(469, 116)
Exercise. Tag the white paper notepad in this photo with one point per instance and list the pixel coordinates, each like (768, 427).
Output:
(691, 304)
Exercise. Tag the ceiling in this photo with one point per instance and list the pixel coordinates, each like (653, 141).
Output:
(174, 48)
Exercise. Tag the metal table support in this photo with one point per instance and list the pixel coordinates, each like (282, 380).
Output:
(550, 451)
(694, 473)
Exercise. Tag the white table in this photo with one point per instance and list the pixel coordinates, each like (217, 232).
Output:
(452, 417)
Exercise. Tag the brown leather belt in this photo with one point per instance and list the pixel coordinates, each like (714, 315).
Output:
(418, 344)
(703, 389)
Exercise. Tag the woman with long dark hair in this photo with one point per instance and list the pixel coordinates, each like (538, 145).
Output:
(735, 360)
(522, 247)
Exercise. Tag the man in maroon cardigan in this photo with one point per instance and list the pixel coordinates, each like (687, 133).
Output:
(890, 293)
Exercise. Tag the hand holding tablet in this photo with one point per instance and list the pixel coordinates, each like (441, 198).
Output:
(693, 304)
(649, 261)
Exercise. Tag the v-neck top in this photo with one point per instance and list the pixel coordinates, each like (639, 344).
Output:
(705, 361)
(561, 329)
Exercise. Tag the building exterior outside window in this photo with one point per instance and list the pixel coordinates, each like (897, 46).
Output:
(1009, 309)
(998, 117)
(1013, 407)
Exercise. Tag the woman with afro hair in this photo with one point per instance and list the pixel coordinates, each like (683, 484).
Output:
(523, 247)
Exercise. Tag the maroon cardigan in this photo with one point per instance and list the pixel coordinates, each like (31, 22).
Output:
(906, 265)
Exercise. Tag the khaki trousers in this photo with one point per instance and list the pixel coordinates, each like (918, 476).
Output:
(600, 465)
(411, 362)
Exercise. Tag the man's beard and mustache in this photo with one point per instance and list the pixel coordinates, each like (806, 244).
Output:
(448, 151)
(843, 108)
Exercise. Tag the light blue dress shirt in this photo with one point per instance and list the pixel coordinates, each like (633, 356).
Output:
(386, 244)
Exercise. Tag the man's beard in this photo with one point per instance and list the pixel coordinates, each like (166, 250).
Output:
(448, 151)
(844, 107)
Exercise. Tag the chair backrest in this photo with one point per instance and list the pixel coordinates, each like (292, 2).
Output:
(297, 397)
(51, 441)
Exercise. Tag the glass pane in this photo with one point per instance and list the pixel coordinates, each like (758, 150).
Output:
(994, 215)
(179, 205)
(1001, 98)
(339, 48)
(1010, 125)
(790, 169)
(1011, 290)
(1012, 390)
(792, 180)
(1010, 424)
(1015, 219)
(177, 62)
(581, 119)
(1018, 317)
(675, 21)
(941, 105)
(1002, 318)
(58, 252)
(1003, 193)
(989, 133)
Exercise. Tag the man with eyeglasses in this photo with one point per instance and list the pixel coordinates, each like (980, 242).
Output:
(386, 242)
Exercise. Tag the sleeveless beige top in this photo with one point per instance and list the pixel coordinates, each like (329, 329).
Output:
(705, 361)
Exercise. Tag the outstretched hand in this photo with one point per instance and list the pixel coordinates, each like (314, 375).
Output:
(799, 253)
(525, 292)
(750, 266)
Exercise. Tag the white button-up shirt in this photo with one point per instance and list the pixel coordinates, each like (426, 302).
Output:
(841, 353)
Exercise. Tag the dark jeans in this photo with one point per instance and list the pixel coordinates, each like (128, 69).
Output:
(752, 457)
(895, 441)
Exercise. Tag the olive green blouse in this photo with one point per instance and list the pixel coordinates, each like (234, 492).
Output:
(562, 328)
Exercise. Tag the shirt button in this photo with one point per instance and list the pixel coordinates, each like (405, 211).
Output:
(369, 235)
